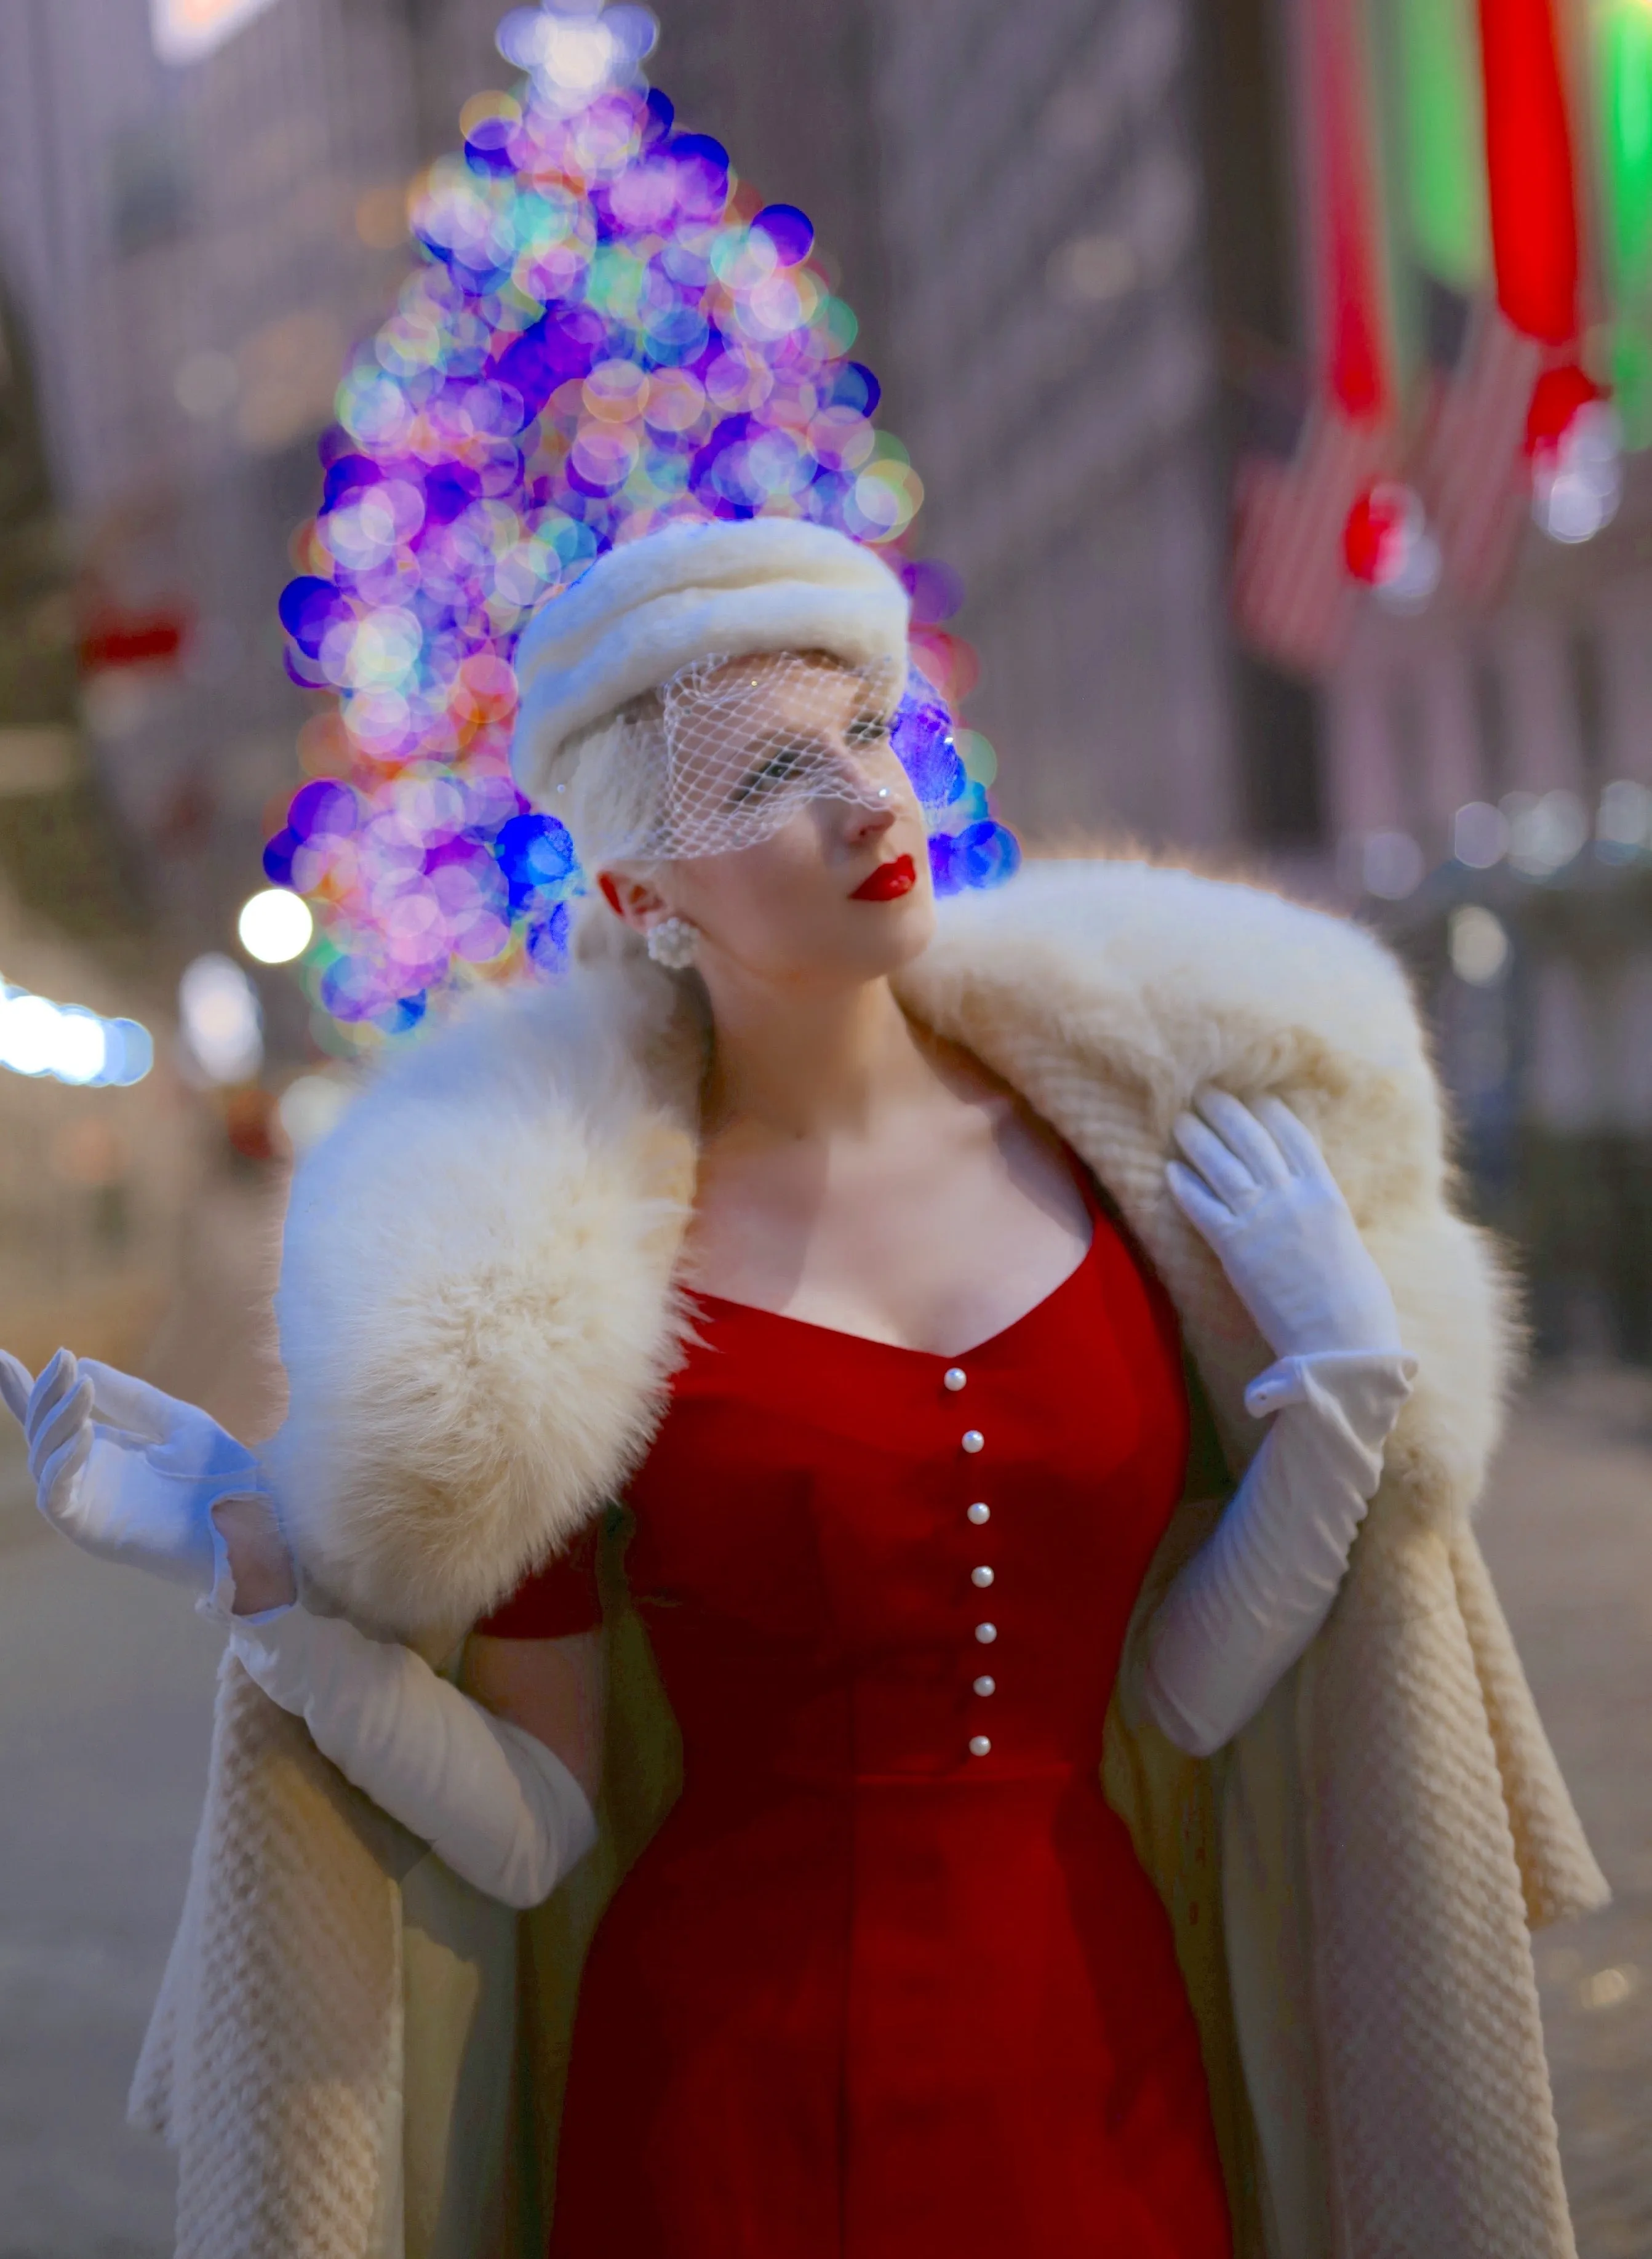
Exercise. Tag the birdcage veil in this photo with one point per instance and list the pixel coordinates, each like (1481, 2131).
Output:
(724, 753)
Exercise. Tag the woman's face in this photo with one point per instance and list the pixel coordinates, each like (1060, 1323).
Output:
(840, 890)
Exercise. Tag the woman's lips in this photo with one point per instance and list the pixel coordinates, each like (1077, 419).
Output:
(888, 882)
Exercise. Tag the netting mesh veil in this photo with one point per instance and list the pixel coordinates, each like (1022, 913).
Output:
(727, 752)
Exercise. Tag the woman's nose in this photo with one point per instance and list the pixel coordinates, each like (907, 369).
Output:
(867, 824)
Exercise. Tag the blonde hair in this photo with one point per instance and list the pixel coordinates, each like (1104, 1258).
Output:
(608, 782)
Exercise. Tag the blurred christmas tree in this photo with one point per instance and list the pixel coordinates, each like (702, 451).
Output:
(607, 331)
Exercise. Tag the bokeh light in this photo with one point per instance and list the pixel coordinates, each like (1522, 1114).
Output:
(219, 1018)
(70, 1043)
(276, 926)
(607, 331)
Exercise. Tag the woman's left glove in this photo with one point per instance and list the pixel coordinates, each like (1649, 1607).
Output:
(1260, 1192)
(126, 1471)
(1246, 1605)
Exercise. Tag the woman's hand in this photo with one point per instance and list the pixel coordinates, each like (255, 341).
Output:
(134, 1476)
(1258, 1190)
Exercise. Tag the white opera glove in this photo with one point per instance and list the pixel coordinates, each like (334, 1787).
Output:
(1248, 1604)
(127, 1472)
(1260, 1192)
(492, 1800)
(1245, 1608)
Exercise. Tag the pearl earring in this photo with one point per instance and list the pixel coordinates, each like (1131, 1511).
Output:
(674, 944)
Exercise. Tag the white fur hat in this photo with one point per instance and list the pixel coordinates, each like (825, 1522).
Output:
(724, 590)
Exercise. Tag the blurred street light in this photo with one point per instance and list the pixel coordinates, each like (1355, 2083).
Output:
(276, 926)
(1391, 866)
(1578, 484)
(69, 1044)
(1478, 943)
(1479, 835)
(1623, 822)
(309, 1106)
(1546, 832)
(183, 30)
(222, 1026)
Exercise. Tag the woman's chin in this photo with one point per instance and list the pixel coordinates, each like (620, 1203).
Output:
(884, 937)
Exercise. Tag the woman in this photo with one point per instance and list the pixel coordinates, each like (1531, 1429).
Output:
(765, 1224)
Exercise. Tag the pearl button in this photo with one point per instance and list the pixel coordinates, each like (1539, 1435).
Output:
(985, 1685)
(979, 1746)
(983, 1577)
(955, 1377)
(973, 1439)
(986, 1633)
(979, 1513)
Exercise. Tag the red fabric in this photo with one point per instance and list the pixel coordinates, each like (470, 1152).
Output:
(561, 1600)
(1531, 171)
(1352, 313)
(866, 1995)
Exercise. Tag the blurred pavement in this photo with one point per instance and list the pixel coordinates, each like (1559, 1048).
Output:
(106, 1683)
(1569, 1533)
(105, 1696)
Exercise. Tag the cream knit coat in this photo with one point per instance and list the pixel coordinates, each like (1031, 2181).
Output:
(478, 1320)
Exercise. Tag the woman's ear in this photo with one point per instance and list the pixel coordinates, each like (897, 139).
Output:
(630, 898)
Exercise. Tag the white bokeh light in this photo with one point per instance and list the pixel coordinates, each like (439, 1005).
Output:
(70, 1043)
(222, 1023)
(1391, 866)
(1578, 483)
(1479, 944)
(28, 1035)
(309, 1106)
(183, 30)
(81, 1048)
(276, 926)
(1479, 835)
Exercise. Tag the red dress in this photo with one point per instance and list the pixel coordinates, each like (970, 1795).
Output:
(877, 1990)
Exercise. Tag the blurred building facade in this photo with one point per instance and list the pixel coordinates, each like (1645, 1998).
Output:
(196, 247)
(1484, 739)
(1053, 353)
(93, 1168)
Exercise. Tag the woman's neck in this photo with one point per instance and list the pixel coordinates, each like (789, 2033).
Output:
(795, 1066)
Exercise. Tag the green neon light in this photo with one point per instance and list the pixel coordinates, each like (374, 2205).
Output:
(1624, 51)
(1444, 129)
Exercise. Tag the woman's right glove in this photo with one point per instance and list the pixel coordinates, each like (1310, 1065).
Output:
(134, 1475)
(126, 1471)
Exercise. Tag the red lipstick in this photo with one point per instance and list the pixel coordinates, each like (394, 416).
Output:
(888, 882)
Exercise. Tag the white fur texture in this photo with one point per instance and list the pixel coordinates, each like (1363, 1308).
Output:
(1112, 992)
(691, 592)
(476, 1307)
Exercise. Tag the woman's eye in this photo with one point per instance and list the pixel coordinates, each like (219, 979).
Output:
(784, 765)
(870, 729)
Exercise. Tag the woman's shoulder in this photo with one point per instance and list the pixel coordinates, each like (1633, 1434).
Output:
(1171, 942)
(475, 1309)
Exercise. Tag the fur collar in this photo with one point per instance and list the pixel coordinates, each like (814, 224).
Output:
(477, 1310)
